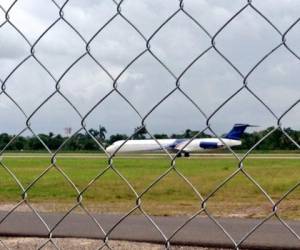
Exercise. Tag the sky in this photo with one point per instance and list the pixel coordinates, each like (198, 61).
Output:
(209, 82)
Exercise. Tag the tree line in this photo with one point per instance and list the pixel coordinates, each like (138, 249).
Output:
(84, 142)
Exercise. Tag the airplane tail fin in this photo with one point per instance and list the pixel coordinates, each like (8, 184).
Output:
(237, 131)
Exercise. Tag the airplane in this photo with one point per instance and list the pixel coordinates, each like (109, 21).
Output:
(180, 145)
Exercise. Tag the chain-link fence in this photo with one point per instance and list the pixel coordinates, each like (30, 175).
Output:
(139, 44)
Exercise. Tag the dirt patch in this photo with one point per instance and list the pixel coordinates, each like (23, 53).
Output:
(84, 244)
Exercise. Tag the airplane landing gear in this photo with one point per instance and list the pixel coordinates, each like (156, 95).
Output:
(186, 154)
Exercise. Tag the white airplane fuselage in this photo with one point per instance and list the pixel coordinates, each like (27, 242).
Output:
(180, 145)
(148, 145)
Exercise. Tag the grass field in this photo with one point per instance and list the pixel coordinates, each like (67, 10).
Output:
(239, 197)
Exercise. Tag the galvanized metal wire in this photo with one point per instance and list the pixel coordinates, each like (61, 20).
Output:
(111, 166)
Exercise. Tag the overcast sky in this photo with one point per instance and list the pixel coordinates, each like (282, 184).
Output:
(209, 82)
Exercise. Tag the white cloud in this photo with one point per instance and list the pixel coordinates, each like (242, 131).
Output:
(209, 82)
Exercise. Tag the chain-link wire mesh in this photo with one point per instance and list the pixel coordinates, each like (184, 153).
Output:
(32, 54)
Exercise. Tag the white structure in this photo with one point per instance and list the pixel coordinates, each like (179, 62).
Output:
(175, 145)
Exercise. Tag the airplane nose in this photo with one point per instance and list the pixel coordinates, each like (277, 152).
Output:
(110, 149)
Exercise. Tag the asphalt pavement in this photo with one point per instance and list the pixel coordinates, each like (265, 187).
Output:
(199, 232)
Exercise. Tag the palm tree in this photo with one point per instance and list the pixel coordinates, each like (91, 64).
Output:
(94, 132)
(187, 133)
(102, 132)
(139, 133)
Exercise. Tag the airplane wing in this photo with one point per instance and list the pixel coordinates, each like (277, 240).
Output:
(182, 145)
(177, 145)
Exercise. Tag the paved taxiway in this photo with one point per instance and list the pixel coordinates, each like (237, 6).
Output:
(201, 231)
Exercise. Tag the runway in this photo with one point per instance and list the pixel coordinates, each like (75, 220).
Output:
(199, 232)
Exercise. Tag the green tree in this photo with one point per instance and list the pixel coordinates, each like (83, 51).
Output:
(140, 132)
(161, 136)
(94, 132)
(19, 143)
(4, 139)
(117, 137)
(102, 132)
(187, 133)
